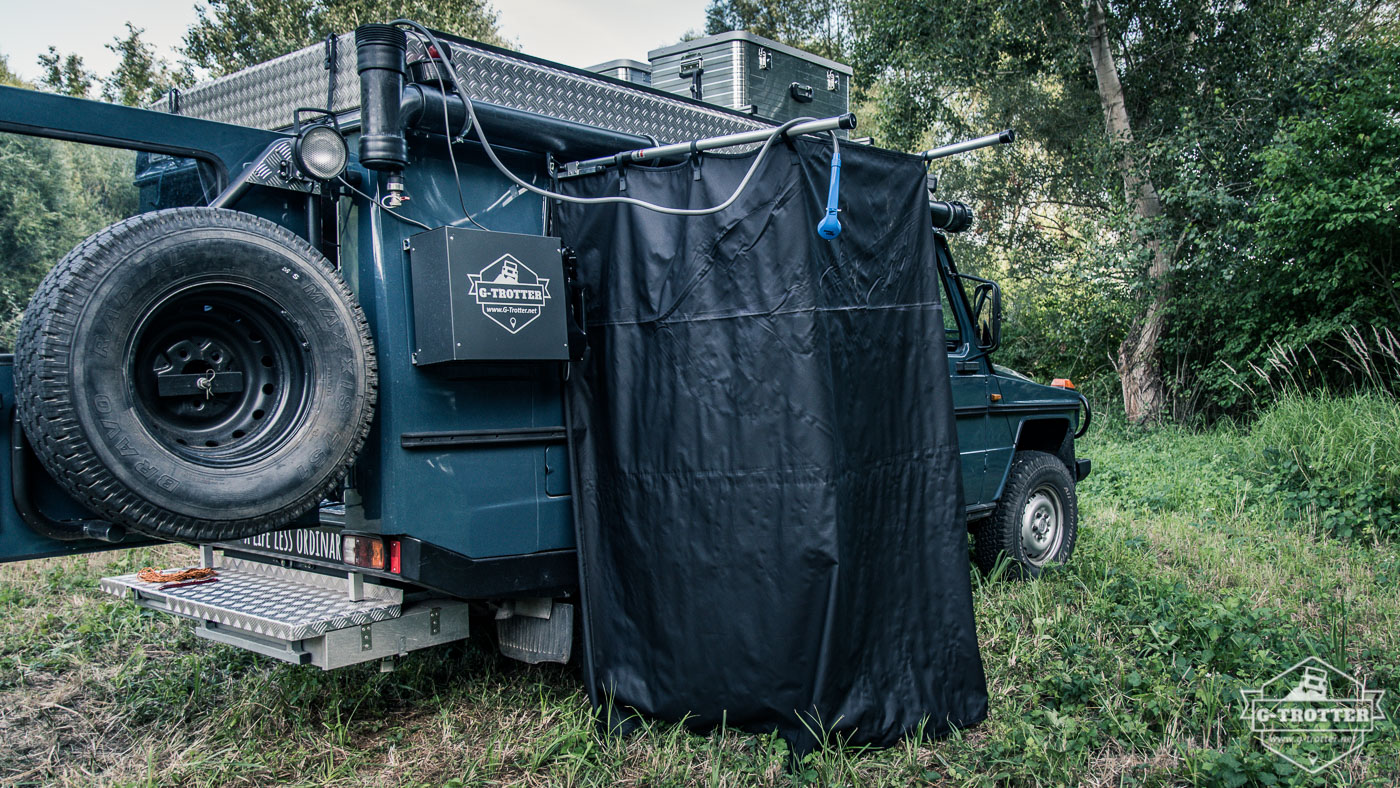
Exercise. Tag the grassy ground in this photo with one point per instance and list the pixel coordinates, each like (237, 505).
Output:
(1124, 668)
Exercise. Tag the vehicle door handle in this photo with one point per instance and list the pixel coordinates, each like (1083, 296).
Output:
(969, 368)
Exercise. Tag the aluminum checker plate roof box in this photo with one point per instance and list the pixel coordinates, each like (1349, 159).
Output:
(625, 70)
(265, 95)
(754, 75)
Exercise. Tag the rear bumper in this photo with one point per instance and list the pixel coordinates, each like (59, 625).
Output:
(1082, 466)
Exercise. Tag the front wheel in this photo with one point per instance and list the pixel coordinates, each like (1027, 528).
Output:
(1036, 522)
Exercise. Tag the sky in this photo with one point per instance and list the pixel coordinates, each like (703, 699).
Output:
(576, 32)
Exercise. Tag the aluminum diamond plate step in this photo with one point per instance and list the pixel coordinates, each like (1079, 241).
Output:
(265, 600)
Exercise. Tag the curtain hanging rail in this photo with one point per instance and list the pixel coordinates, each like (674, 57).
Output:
(1000, 138)
(846, 121)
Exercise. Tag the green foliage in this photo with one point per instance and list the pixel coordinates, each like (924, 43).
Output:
(1315, 210)
(70, 191)
(1332, 462)
(813, 25)
(65, 74)
(8, 77)
(141, 77)
(1324, 464)
(1229, 102)
(234, 34)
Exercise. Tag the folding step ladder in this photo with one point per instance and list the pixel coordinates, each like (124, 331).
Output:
(305, 618)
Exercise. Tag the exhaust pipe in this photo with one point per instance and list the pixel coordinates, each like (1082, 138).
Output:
(379, 53)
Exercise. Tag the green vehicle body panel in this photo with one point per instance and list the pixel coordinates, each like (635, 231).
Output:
(999, 411)
(1025, 415)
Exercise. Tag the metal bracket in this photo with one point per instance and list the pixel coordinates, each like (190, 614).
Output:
(435, 620)
(366, 637)
(574, 169)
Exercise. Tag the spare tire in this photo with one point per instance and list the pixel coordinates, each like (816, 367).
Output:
(195, 374)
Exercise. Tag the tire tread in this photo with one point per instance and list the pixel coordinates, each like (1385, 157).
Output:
(44, 349)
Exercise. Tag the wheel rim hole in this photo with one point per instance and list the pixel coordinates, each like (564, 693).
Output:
(238, 341)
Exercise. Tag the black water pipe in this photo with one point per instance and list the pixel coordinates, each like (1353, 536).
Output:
(421, 108)
(950, 216)
(379, 54)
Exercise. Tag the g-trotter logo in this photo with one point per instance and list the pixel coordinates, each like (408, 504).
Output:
(509, 293)
(1312, 714)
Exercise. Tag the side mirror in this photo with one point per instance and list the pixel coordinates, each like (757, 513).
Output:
(986, 312)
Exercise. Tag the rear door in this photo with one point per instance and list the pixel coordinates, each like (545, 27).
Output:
(36, 496)
(68, 168)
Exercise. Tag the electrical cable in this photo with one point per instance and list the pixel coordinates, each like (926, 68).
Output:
(438, 62)
(383, 207)
(496, 161)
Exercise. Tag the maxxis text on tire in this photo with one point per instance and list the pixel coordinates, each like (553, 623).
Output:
(195, 374)
(1033, 473)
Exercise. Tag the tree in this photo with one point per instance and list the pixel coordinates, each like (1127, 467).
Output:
(63, 192)
(65, 74)
(818, 26)
(141, 76)
(1335, 229)
(234, 34)
(1137, 166)
(1321, 257)
(1144, 390)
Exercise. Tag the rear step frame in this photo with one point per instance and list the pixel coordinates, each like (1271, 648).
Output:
(305, 618)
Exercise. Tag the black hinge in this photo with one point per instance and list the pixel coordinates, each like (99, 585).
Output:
(578, 334)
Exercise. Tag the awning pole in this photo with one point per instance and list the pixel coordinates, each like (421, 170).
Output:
(1000, 138)
(676, 149)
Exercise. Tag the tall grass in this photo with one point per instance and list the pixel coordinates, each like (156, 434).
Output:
(1348, 360)
(1325, 463)
(1334, 462)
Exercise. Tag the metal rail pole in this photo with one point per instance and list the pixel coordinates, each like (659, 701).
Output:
(847, 121)
(1000, 138)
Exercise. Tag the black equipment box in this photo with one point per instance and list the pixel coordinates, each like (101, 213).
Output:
(753, 74)
(487, 296)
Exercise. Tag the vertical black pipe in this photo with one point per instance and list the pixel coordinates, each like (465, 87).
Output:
(379, 53)
(313, 220)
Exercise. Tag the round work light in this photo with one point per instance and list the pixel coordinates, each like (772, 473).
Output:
(321, 152)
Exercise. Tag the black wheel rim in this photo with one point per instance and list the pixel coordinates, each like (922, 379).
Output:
(219, 373)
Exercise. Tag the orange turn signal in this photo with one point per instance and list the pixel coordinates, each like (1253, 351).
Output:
(366, 551)
(1062, 383)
